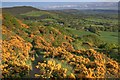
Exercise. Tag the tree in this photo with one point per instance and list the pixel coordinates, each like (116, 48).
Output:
(92, 29)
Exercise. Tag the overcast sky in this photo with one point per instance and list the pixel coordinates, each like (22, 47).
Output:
(59, 0)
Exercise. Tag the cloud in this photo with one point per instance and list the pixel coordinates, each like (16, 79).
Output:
(108, 0)
(59, 0)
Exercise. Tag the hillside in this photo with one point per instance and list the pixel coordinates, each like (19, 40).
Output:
(40, 44)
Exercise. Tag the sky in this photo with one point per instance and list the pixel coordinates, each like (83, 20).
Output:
(59, 0)
(50, 4)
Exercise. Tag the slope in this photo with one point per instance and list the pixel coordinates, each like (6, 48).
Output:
(49, 52)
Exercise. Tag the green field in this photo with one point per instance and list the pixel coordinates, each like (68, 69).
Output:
(110, 37)
(35, 13)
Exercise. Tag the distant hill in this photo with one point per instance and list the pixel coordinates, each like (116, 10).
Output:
(99, 11)
(19, 9)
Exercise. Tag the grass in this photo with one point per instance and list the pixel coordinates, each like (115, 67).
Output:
(78, 32)
(34, 13)
(40, 13)
(115, 21)
(110, 37)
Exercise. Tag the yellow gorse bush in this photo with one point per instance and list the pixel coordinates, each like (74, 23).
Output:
(49, 69)
(15, 54)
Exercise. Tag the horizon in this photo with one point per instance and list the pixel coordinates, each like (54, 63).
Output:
(63, 5)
